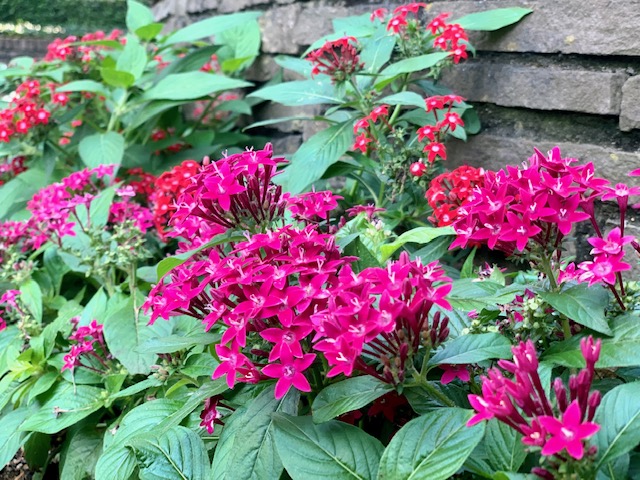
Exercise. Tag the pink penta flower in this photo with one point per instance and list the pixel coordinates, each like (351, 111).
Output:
(230, 364)
(612, 245)
(569, 433)
(451, 372)
(289, 373)
(361, 143)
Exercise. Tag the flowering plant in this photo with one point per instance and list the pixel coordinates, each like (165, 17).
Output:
(388, 118)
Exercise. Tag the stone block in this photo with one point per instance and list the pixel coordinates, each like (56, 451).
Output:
(273, 111)
(495, 152)
(630, 107)
(595, 27)
(543, 88)
(287, 28)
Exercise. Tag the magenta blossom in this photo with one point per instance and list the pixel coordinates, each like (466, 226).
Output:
(289, 373)
(569, 433)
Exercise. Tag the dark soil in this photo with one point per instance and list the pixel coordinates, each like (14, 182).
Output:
(17, 469)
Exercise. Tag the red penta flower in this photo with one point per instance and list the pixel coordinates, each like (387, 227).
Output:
(417, 169)
(361, 143)
(339, 59)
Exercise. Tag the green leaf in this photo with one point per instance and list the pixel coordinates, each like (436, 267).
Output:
(468, 294)
(409, 65)
(125, 331)
(504, 446)
(473, 348)
(241, 45)
(169, 263)
(492, 19)
(621, 350)
(67, 405)
(149, 32)
(133, 58)
(11, 436)
(254, 454)
(377, 50)
(619, 418)
(423, 400)
(31, 296)
(102, 149)
(432, 446)
(80, 453)
(366, 258)
(83, 86)
(404, 98)
(177, 453)
(313, 158)
(420, 235)
(174, 343)
(117, 78)
(467, 268)
(295, 64)
(211, 26)
(17, 191)
(346, 396)
(118, 462)
(138, 15)
(299, 92)
(191, 85)
(582, 304)
(338, 450)
(100, 207)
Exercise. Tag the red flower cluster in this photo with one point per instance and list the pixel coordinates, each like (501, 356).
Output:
(522, 403)
(362, 140)
(63, 49)
(160, 134)
(85, 339)
(450, 191)
(166, 189)
(539, 203)
(11, 168)
(398, 21)
(338, 58)
(449, 37)
(26, 110)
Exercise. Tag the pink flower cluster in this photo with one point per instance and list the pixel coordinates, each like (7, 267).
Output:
(521, 402)
(9, 169)
(536, 204)
(8, 299)
(287, 290)
(83, 352)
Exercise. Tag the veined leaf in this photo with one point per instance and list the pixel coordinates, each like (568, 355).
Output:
(492, 19)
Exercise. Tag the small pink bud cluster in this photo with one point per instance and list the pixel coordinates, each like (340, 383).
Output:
(83, 352)
(8, 299)
(521, 402)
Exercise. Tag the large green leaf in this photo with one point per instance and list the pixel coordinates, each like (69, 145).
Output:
(254, 454)
(11, 436)
(67, 405)
(420, 235)
(31, 296)
(102, 149)
(404, 98)
(133, 58)
(211, 26)
(125, 331)
(619, 418)
(504, 447)
(492, 19)
(83, 86)
(409, 65)
(621, 350)
(433, 446)
(17, 191)
(346, 396)
(138, 15)
(80, 453)
(338, 450)
(118, 462)
(473, 348)
(424, 400)
(468, 294)
(191, 85)
(117, 78)
(376, 50)
(299, 92)
(582, 304)
(177, 453)
(313, 158)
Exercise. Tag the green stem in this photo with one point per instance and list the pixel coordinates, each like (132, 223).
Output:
(396, 111)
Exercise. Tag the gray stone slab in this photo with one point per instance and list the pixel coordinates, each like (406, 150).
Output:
(630, 107)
